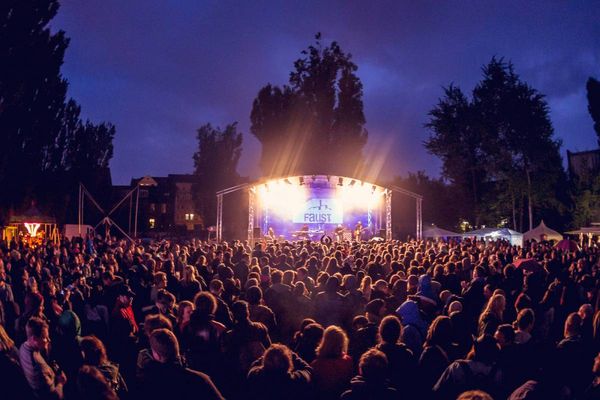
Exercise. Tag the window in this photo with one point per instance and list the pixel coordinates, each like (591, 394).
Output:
(152, 223)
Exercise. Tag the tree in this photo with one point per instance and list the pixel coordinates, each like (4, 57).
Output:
(519, 136)
(215, 162)
(593, 96)
(457, 141)
(315, 123)
(44, 140)
(502, 140)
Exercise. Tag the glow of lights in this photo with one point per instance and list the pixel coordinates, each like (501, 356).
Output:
(32, 228)
(282, 197)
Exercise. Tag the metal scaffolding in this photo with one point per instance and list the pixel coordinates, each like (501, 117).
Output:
(253, 213)
(220, 195)
(419, 208)
(388, 214)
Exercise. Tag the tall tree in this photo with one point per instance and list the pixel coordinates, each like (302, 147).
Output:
(458, 142)
(505, 134)
(44, 139)
(593, 96)
(315, 123)
(32, 93)
(215, 162)
(520, 137)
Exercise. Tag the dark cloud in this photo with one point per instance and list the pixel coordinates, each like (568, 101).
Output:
(159, 70)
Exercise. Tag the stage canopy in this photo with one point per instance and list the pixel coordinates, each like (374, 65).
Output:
(311, 206)
(541, 231)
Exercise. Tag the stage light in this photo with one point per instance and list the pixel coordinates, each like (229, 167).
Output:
(32, 228)
(373, 189)
(340, 181)
(301, 180)
(352, 182)
(287, 181)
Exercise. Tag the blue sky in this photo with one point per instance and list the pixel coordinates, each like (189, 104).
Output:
(159, 70)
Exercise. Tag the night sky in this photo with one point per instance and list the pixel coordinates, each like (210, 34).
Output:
(159, 69)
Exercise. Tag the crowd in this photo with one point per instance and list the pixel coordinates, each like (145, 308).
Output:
(110, 319)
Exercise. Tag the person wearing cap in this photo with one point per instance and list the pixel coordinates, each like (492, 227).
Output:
(123, 330)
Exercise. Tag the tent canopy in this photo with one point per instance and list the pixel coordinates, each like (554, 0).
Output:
(32, 215)
(435, 232)
(515, 238)
(483, 232)
(542, 230)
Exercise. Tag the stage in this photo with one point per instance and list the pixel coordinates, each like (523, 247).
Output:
(317, 207)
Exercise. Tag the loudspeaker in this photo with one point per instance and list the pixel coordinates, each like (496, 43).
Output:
(257, 233)
(382, 233)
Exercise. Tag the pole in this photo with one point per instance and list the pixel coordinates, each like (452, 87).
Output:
(419, 218)
(79, 211)
(130, 212)
(137, 206)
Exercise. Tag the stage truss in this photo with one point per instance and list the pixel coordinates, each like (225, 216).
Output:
(252, 212)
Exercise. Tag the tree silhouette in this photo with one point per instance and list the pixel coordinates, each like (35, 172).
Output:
(44, 141)
(315, 123)
(593, 96)
(502, 140)
(215, 162)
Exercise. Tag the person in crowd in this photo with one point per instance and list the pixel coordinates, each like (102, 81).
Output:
(478, 371)
(414, 327)
(189, 284)
(45, 381)
(573, 353)
(166, 378)
(258, 311)
(94, 355)
(366, 337)
(185, 309)
(438, 351)
(280, 374)
(492, 315)
(371, 382)
(333, 367)
(92, 384)
(245, 342)
(307, 339)
(12, 380)
(401, 361)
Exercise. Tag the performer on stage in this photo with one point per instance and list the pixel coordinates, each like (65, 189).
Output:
(304, 232)
(271, 234)
(358, 231)
(339, 233)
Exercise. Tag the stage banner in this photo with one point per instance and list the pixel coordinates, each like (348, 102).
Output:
(320, 211)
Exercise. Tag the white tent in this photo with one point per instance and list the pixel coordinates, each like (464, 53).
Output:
(479, 233)
(542, 231)
(515, 238)
(433, 231)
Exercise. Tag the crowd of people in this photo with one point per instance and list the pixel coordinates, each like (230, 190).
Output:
(109, 319)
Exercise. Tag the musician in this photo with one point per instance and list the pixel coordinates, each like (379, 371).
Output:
(304, 232)
(339, 233)
(271, 234)
(358, 231)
